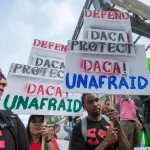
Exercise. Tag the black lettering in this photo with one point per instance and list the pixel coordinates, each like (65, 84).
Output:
(55, 64)
(118, 48)
(62, 65)
(94, 35)
(35, 70)
(17, 66)
(73, 44)
(38, 62)
(43, 70)
(83, 45)
(61, 74)
(92, 46)
(26, 69)
(53, 73)
(101, 46)
(128, 48)
(111, 47)
(103, 36)
(111, 36)
(47, 63)
(120, 37)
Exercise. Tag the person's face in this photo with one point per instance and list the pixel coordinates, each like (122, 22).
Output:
(3, 83)
(57, 129)
(36, 125)
(106, 105)
(78, 119)
(51, 132)
(92, 104)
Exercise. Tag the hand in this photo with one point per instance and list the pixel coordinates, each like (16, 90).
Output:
(140, 125)
(45, 131)
(111, 136)
(113, 116)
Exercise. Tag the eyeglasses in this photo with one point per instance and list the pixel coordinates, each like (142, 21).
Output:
(2, 76)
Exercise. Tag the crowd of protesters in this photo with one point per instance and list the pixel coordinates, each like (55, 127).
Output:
(104, 128)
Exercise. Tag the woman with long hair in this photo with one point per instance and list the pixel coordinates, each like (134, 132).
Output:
(35, 131)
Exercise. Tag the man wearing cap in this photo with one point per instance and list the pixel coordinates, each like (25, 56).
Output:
(13, 135)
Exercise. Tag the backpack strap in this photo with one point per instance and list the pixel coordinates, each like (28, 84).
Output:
(84, 128)
(10, 122)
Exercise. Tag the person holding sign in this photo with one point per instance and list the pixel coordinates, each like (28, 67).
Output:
(94, 131)
(35, 131)
(12, 131)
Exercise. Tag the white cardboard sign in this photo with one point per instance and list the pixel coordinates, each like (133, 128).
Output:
(29, 96)
(134, 83)
(142, 148)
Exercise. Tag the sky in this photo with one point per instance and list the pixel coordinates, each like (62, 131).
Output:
(21, 21)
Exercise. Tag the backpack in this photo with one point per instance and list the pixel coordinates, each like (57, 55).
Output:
(84, 126)
(10, 122)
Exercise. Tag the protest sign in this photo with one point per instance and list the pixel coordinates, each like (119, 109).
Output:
(29, 96)
(107, 76)
(94, 47)
(107, 20)
(37, 72)
(47, 49)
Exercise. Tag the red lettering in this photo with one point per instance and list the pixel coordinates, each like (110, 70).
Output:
(57, 47)
(96, 14)
(51, 44)
(118, 15)
(116, 68)
(31, 89)
(125, 16)
(105, 65)
(2, 142)
(58, 91)
(97, 66)
(88, 13)
(87, 63)
(103, 13)
(64, 48)
(36, 42)
(91, 133)
(44, 44)
(111, 15)
(102, 134)
(47, 90)
(40, 90)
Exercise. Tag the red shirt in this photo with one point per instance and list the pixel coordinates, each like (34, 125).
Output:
(35, 146)
(55, 144)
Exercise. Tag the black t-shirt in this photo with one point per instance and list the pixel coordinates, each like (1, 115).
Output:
(7, 141)
(96, 133)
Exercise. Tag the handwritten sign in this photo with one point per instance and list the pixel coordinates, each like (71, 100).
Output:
(37, 72)
(109, 36)
(40, 44)
(94, 47)
(92, 75)
(31, 97)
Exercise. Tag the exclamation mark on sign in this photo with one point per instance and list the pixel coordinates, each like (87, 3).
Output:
(124, 68)
(2, 143)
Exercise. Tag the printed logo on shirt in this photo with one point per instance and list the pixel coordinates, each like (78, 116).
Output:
(2, 143)
(92, 135)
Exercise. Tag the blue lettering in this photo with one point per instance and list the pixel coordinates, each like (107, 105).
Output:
(123, 83)
(111, 81)
(101, 82)
(140, 86)
(82, 81)
(93, 82)
(132, 82)
(73, 82)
